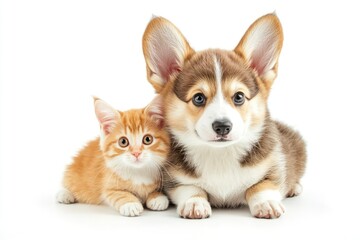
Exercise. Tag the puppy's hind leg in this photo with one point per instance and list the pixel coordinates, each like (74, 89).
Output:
(295, 190)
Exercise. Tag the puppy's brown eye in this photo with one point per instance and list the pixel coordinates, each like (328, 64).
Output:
(239, 98)
(199, 99)
(148, 139)
(123, 142)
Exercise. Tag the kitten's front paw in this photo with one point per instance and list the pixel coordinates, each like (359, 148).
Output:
(158, 203)
(267, 209)
(195, 208)
(131, 209)
(65, 196)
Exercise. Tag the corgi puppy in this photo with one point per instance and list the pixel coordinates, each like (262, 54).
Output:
(226, 150)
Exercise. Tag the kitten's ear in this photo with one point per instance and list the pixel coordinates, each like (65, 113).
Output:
(155, 110)
(261, 46)
(165, 50)
(106, 115)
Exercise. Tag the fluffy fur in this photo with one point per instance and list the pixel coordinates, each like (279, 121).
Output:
(250, 158)
(123, 166)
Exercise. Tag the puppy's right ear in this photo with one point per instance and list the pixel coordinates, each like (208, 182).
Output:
(165, 50)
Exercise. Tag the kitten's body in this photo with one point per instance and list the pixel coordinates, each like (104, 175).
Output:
(88, 175)
(124, 175)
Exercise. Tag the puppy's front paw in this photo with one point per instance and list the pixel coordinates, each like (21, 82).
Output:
(267, 209)
(195, 208)
(131, 209)
(158, 203)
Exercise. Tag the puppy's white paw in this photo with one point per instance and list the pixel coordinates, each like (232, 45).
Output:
(195, 208)
(131, 209)
(267, 209)
(65, 196)
(158, 203)
(266, 204)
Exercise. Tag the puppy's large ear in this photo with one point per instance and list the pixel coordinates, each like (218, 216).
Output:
(165, 50)
(261, 47)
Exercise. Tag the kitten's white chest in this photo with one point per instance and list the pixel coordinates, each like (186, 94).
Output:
(140, 179)
(139, 176)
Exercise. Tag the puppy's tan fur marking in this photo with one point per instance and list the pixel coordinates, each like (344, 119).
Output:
(261, 186)
(263, 147)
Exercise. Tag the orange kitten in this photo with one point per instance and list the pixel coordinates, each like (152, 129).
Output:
(123, 166)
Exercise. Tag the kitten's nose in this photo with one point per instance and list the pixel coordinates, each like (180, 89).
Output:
(136, 154)
(222, 127)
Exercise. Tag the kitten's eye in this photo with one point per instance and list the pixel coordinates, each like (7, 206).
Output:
(123, 142)
(239, 98)
(199, 99)
(148, 139)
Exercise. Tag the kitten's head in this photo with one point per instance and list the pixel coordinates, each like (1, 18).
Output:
(132, 139)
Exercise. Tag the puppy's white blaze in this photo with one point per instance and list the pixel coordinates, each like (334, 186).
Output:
(219, 98)
(218, 77)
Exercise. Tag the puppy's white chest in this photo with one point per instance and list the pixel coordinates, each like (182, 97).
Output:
(224, 179)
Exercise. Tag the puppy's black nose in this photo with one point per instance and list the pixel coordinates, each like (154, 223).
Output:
(222, 127)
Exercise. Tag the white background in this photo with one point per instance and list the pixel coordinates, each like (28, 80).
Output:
(56, 54)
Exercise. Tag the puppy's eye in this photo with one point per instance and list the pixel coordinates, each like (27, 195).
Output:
(239, 98)
(199, 99)
(148, 139)
(123, 142)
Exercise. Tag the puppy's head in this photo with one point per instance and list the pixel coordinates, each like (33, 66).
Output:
(213, 97)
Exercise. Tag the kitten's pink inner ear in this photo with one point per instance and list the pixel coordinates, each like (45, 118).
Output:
(156, 112)
(106, 116)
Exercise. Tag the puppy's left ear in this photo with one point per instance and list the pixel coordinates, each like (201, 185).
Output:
(155, 110)
(261, 46)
